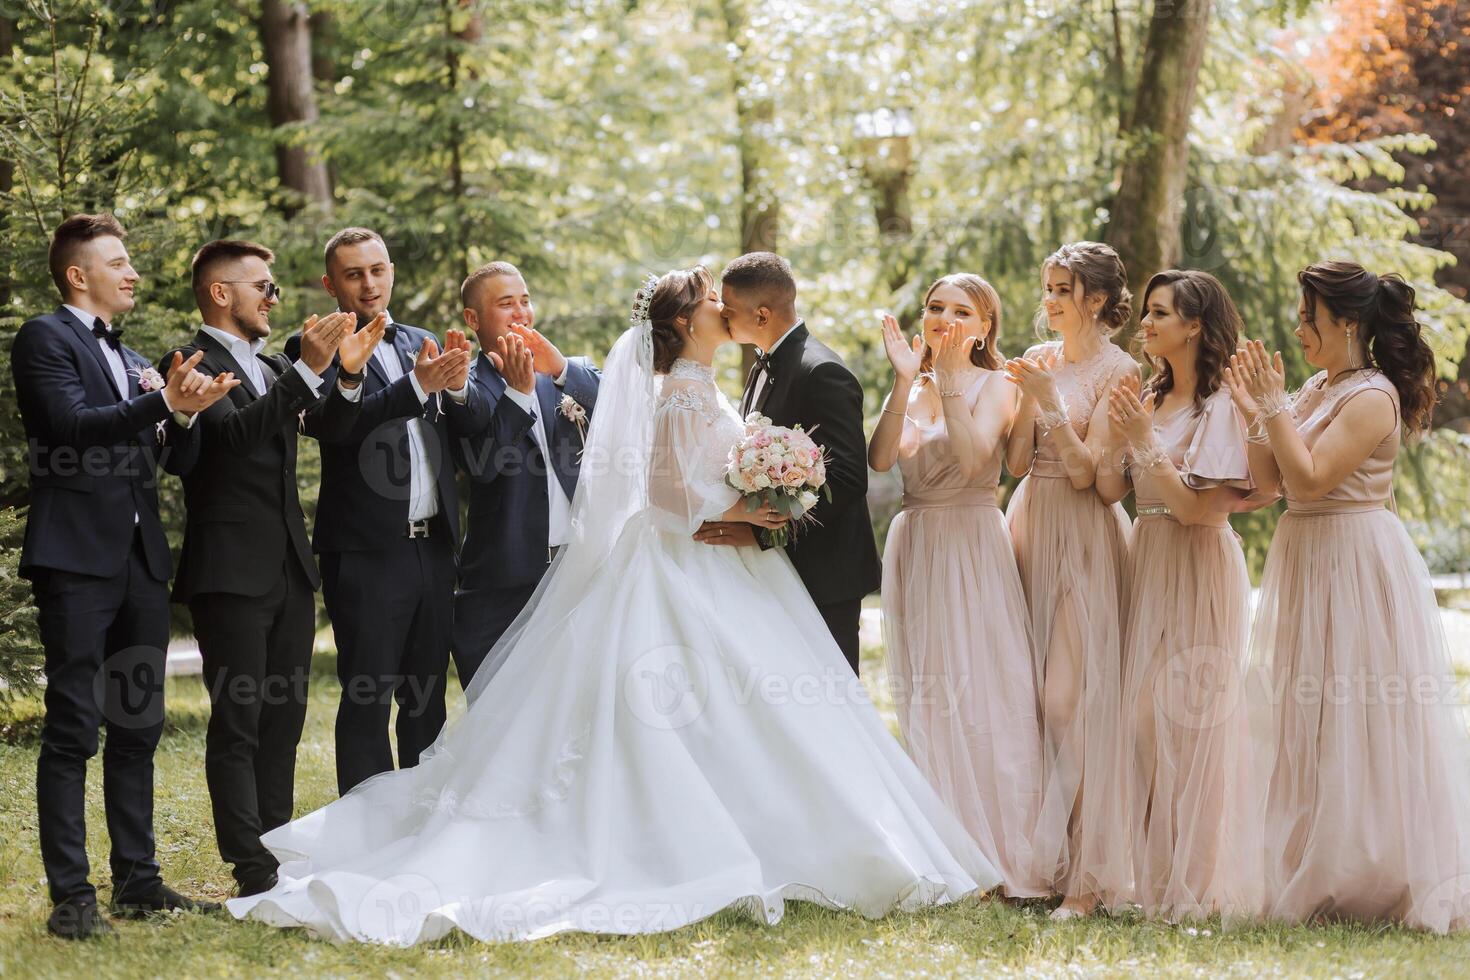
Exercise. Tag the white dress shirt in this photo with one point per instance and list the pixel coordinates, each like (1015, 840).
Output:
(114, 358)
(423, 496)
(559, 504)
(760, 379)
(244, 351)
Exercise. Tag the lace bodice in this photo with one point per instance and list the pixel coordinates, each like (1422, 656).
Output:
(694, 428)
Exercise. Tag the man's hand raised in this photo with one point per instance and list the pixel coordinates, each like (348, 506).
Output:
(515, 362)
(321, 336)
(190, 392)
(357, 346)
(548, 359)
(437, 371)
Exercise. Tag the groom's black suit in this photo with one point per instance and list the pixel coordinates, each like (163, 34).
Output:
(248, 577)
(807, 384)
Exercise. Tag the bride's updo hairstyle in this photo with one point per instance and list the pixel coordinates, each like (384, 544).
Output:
(1096, 269)
(675, 298)
(1383, 309)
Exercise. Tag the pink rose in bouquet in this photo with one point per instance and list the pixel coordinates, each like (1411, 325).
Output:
(781, 467)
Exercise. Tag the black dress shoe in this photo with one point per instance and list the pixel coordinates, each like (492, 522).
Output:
(161, 899)
(78, 919)
(257, 887)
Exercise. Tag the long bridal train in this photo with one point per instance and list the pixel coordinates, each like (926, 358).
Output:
(669, 731)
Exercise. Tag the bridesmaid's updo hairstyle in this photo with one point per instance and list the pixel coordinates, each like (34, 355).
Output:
(987, 306)
(1096, 270)
(675, 298)
(1200, 297)
(1383, 309)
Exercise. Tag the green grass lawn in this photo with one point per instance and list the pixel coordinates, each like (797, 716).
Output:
(978, 937)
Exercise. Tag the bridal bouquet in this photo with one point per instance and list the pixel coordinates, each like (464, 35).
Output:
(779, 466)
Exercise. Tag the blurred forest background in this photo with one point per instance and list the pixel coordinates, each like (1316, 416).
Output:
(877, 145)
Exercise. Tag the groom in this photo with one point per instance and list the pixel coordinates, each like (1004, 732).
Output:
(798, 380)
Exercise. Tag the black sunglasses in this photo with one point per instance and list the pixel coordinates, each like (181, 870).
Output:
(271, 290)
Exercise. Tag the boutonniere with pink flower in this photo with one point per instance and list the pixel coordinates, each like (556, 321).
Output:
(573, 412)
(148, 379)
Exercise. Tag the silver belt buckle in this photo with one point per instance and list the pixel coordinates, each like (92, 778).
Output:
(418, 529)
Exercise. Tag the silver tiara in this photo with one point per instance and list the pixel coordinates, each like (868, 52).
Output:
(641, 299)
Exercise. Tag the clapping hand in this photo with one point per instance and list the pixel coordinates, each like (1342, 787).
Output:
(321, 336)
(455, 340)
(547, 358)
(904, 357)
(438, 371)
(357, 346)
(191, 392)
(1255, 379)
(1129, 417)
(515, 362)
(1035, 377)
(953, 355)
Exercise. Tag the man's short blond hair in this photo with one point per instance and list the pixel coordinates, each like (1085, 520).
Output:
(469, 290)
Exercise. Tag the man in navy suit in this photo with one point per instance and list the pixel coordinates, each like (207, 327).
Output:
(387, 540)
(95, 552)
(523, 462)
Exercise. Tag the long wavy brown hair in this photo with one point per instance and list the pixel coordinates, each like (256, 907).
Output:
(1200, 297)
(1383, 307)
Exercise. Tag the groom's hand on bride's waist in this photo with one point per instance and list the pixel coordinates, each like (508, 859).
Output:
(736, 533)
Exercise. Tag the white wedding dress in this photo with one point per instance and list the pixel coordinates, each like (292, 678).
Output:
(667, 731)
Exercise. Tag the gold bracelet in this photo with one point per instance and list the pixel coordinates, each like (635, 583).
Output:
(889, 411)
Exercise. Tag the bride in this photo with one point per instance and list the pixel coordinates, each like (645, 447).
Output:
(666, 731)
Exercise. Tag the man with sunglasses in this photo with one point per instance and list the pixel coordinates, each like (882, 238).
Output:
(387, 539)
(246, 569)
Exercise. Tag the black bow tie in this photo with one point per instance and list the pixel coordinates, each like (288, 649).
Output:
(389, 333)
(113, 337)
(762, 362)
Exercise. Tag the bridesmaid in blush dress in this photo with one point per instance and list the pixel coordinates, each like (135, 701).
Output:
(1070, 550)
(1363, 776)
(1181, 760)
(954, 614)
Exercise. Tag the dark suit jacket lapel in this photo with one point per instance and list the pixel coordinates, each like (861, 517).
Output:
(133, 368)
(548, 398)
(783, 363)
(486, 375)
(221, 355)
(89, 341)
(375, 367)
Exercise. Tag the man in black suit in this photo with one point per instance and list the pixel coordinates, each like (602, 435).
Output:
(246, 570)
(799, 380)
(387, 539)
(523, 463)
(94, 413)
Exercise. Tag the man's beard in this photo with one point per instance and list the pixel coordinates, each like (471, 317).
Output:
(247, 321)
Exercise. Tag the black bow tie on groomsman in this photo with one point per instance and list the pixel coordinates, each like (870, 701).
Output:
(103, 332)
